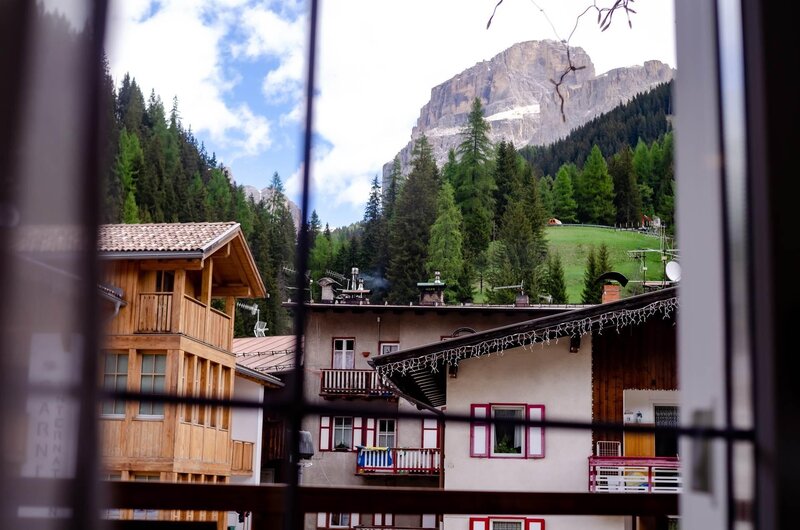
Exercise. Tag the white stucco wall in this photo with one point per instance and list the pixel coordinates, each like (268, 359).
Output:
(549, 375)
(246, 425)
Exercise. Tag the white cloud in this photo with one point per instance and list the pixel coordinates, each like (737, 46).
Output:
(175, 48)
(270, 34)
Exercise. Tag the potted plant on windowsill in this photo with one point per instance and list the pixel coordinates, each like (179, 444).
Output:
(505, 447)
(341, 447)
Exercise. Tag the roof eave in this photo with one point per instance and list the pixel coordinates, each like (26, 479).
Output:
(259, 377)
(150, 254)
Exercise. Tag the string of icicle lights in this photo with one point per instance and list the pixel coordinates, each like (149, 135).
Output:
(579, 327)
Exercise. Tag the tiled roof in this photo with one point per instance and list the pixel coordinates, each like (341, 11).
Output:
(265, 354)
(162, 237)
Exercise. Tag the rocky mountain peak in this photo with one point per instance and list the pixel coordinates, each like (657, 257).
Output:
(518, 93)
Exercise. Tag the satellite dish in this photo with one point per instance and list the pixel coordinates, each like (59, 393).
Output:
(673, 271)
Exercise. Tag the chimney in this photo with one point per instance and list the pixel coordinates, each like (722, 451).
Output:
(610, 292)
(432, 293)
(522, 300)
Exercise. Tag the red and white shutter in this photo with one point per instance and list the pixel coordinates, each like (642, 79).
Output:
(535, 434)
(358, 432)
(370, 432)
(324, 433)
(430, 433)
(322, 520)
(478, 523)
(534, 524)
(479, 432)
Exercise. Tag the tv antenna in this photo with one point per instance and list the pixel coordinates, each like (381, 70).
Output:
(341, 278)
(260, 328)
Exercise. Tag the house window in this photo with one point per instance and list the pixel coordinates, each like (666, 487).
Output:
(343, 354)
(340, 520)
(507, 439)
(165, 281)
(113, 513)
(389, 347)
(148, 515)
(507, 525)
(115, 378)
(154, 369)
(342, 433)
(386, 433)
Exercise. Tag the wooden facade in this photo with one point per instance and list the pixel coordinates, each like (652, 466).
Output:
(641, 357)
(170, 338)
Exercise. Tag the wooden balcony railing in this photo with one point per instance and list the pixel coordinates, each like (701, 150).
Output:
(242, 457)
(397, 461)
(351, 382)
(154, 315)
(634, 474)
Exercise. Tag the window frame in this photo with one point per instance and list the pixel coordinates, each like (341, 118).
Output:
(481, 431)
(343, 353)
(518, 430)
(378, 432)
(333, 445)
(156, 409)
(390, 343)
(116, 375)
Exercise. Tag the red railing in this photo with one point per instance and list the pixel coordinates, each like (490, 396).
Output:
(351, 382)
(397, 461)
(633, 474)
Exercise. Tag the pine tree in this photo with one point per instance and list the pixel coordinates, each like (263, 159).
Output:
(597, 190)
(590, 293)
(393, 189)
(627, 198)
(507, 178)
(219, 200)
(475, 184)
(556, 286)
(450, 169)
(564, 205)
(517, 257)
(129, 165)
(409, 230)
(314, 228)
(546, 196)
(445, 246)
(643, 168)
(373, 252)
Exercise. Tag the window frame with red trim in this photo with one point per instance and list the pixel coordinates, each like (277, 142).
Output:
(482, 433)
(486, 523)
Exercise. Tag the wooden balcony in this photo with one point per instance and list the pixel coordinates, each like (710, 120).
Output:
(353, 383)
(155, 311)
(242, 457)
(633, 474)
(397, 461)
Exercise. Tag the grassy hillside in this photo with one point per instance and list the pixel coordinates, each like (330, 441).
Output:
(573, 243)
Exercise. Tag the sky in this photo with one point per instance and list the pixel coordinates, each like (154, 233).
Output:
(238, 68)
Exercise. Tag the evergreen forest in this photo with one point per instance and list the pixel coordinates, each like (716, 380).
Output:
(479, 219)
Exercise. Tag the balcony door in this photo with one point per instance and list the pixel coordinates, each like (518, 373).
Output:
(343, 354)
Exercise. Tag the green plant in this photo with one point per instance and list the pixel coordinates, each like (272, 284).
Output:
(504, 446)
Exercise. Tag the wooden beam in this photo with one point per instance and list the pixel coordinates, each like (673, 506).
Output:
(230, 310)
(401, 500)
(178, 292)
(171, 264)
(241, 291)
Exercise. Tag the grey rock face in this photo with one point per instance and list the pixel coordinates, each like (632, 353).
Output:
(518, 93)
